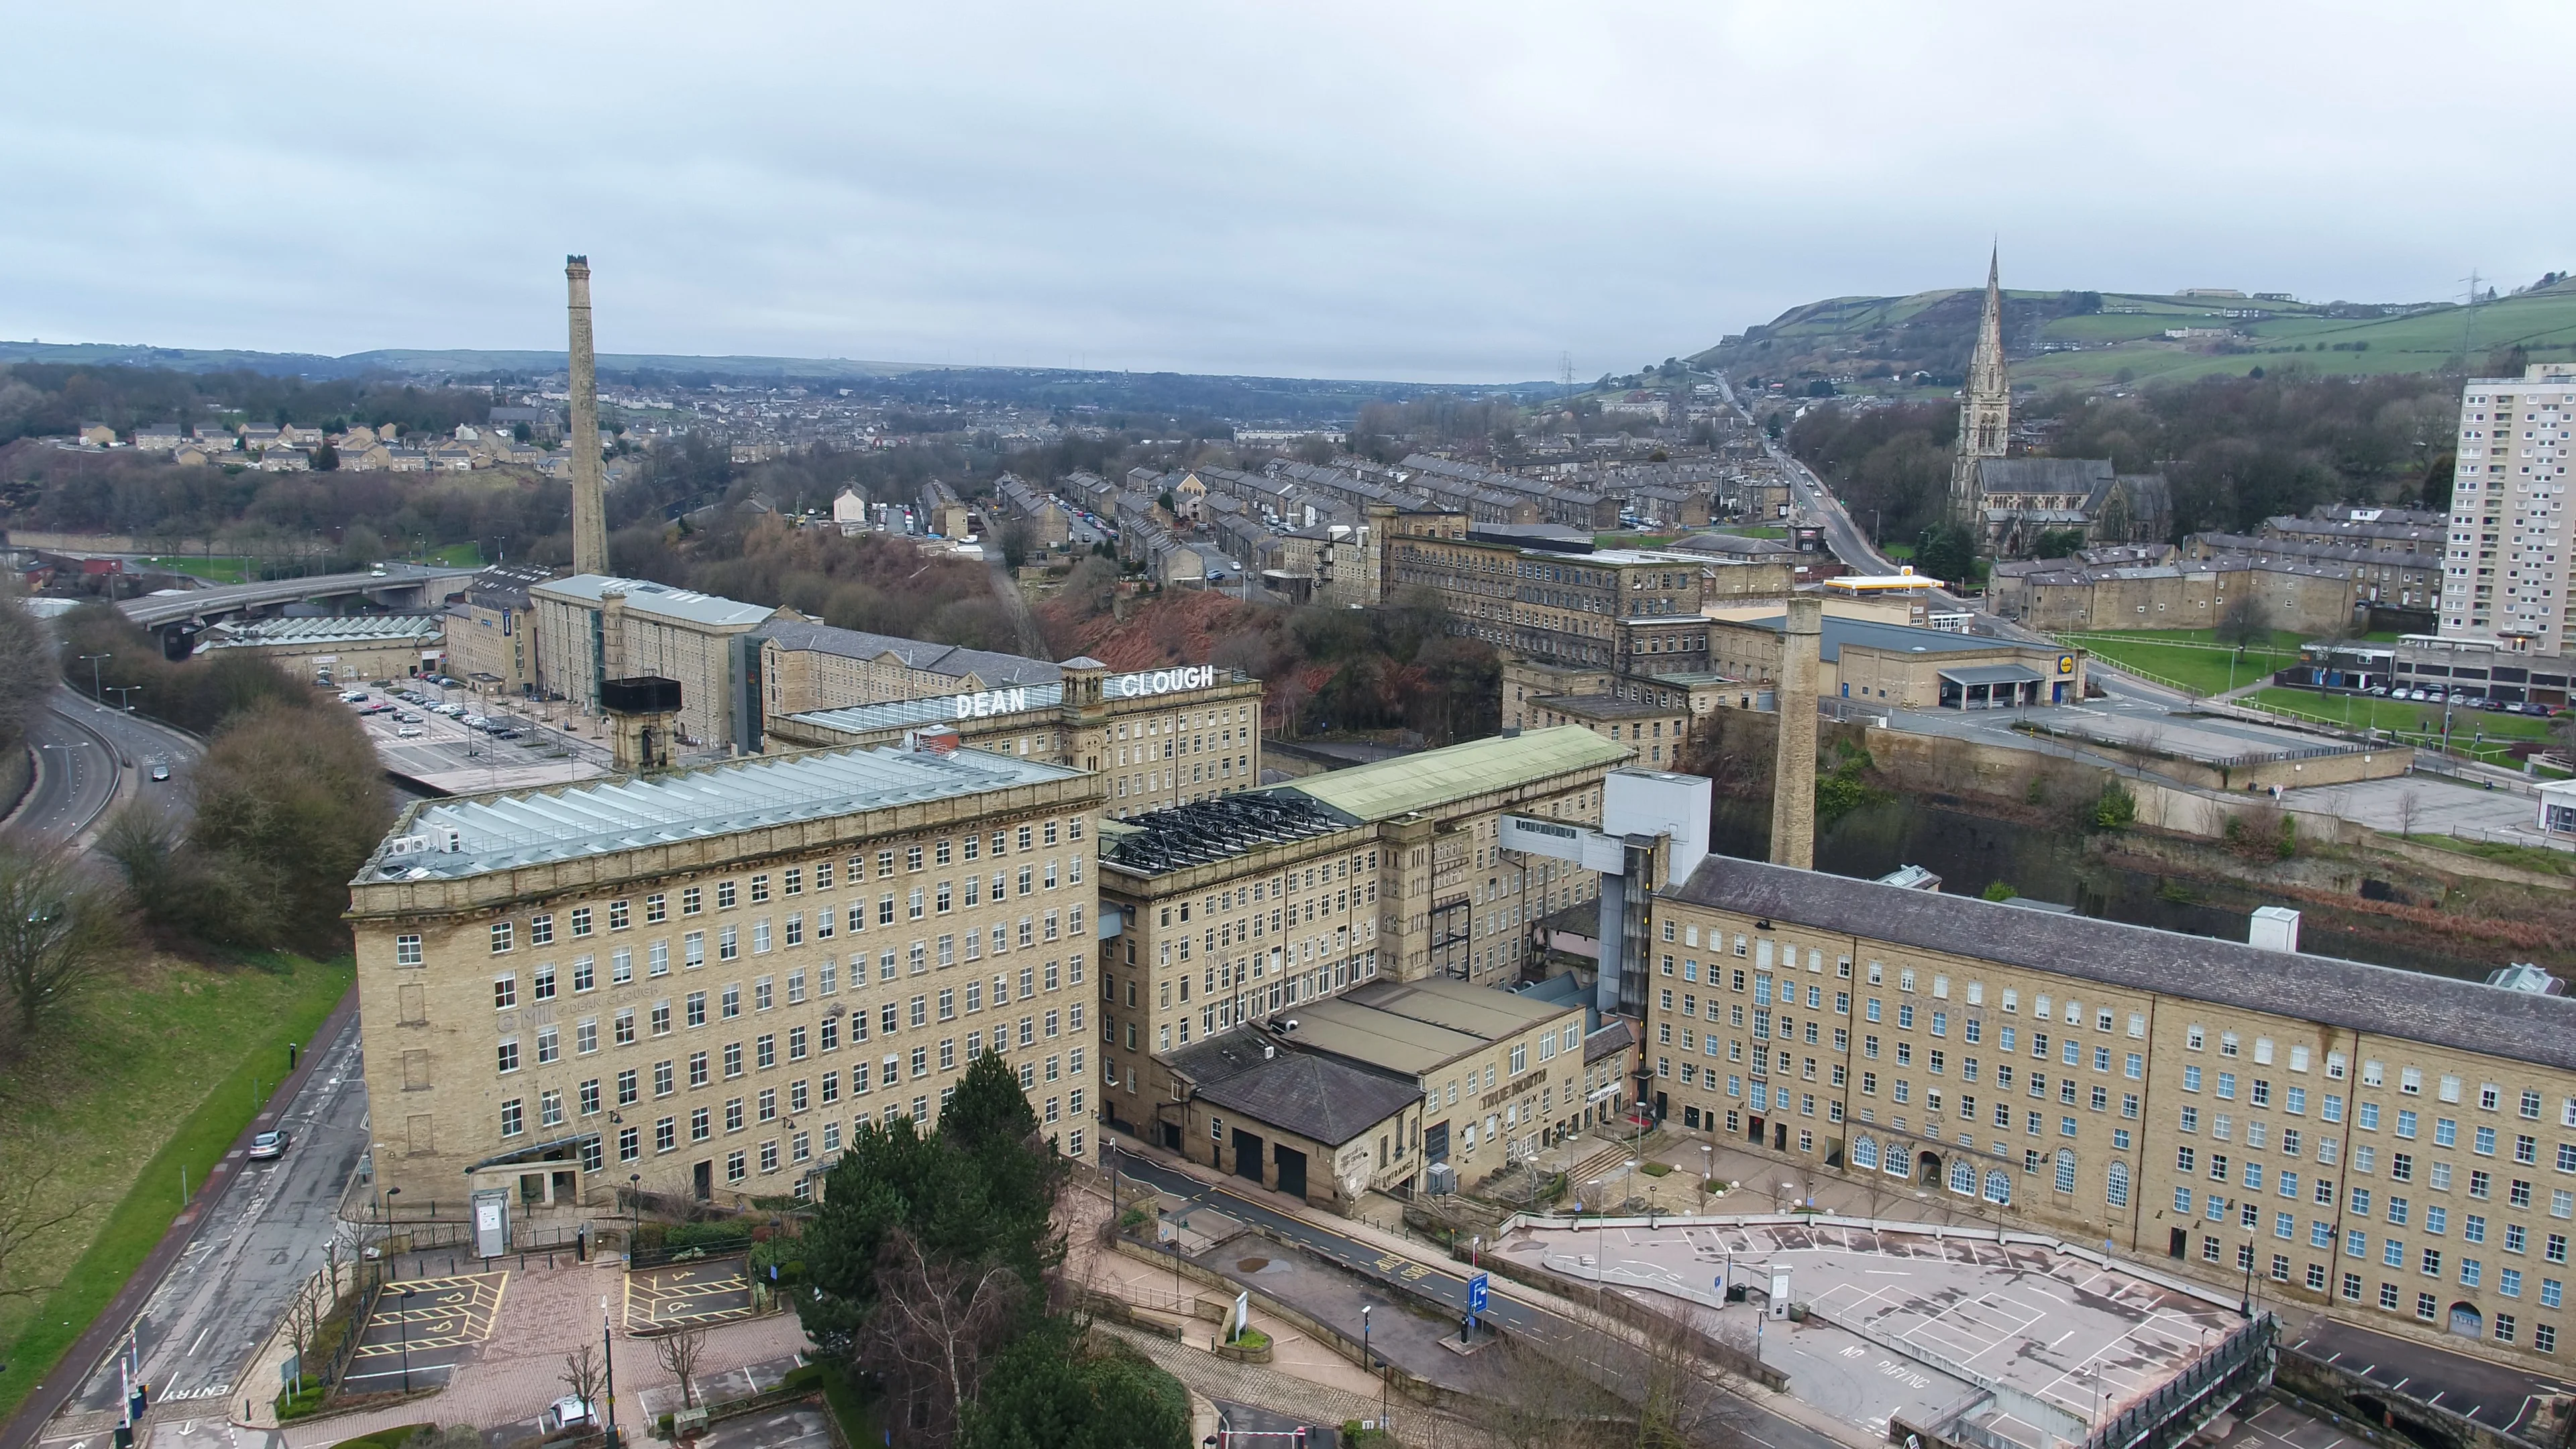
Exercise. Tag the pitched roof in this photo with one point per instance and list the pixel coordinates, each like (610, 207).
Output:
(956, 660)
(2043, 475)
(1317, 1097)
(1436, 777)
(2439, 1010)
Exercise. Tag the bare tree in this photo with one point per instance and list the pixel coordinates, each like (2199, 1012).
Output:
(937, 1327)
(2409, 804)
(304, 1314)
(583, 1374)
(60, 931)
(680, 1352)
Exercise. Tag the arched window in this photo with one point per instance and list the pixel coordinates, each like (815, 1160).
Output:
(1897, 1160)
(1963, 1177)
(1998, 1187)
(1864, 1152)
(2066, 1169)
(2116, 1186)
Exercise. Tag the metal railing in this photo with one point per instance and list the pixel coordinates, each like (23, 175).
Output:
(2243, 1360)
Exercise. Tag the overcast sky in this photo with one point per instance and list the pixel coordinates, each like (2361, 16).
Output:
(1381, 190)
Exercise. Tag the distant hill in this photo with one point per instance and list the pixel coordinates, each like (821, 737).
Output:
(428, 363)
(1879, 344)
(1263, 399)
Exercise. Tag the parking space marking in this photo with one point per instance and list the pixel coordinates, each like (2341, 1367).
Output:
(705, 1292)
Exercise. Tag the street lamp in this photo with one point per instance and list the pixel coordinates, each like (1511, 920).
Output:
(608, 1360)
(634, 1211)
(97, 693)
(404, 1317)
(1369, 1360)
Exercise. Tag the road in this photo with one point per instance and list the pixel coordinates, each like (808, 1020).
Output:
(1762, 1427)
(261, 1238)
(86, 755)
(2496, 1395)
(427, 584)
(1015, 603)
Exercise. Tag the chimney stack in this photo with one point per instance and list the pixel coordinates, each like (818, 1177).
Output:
(1793, 774)
(589, 493)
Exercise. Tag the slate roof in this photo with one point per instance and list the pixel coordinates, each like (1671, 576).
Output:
(1319, 1098)
(2437, 1010)
(995, 670)
(2042, 475)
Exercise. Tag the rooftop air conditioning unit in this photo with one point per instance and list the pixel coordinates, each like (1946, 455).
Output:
(407, 845)
(450, 839)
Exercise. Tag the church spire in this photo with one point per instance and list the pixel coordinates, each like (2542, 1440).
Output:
(1985, 408)
(1986, 368)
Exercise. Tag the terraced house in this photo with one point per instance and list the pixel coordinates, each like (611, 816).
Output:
(2393, 1147)
(702, 982)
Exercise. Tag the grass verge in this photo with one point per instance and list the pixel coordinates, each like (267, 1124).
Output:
(2202, 668)
(2478, 732)
(2532, 858)
(162, 1071)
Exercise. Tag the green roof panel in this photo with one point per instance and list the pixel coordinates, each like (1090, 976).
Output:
(1391, 788)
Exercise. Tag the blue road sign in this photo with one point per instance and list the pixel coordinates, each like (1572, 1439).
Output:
(1476, 1293)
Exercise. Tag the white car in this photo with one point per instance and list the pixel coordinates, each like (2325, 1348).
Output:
(409, 732)
(568, 1412)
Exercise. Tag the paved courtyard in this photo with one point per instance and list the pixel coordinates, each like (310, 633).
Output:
(1912, 1322)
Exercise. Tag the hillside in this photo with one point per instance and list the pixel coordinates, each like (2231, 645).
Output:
(1919, 344)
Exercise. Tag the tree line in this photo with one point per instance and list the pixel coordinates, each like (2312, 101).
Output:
(41, 399)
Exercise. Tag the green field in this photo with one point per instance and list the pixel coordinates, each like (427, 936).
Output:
(458, 556)
(2416, 337)
(220, 569)
(2193, 658)
(2473, 731)
(146, 1078)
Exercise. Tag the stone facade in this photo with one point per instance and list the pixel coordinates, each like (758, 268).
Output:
(591, 627)
(711, 1012)
(1235, 912)
(2397, 1149)
(1156, 747)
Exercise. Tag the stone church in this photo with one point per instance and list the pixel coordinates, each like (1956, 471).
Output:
(2007, 502)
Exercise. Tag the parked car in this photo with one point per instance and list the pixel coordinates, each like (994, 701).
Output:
(568, 1413)
(504, 732)
(408, 732)
(269, 1146)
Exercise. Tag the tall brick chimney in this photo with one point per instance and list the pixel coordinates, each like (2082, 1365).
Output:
(1793, 773)
(589, 493)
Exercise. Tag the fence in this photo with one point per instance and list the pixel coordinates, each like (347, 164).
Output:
(2169, 1413)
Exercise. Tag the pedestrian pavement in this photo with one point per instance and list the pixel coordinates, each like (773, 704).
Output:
(518, 1371)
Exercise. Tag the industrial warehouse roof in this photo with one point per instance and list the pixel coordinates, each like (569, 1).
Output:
(989, 669)
(643, 596)
(2468, 1015)
(1403, 786)
(905, 713)
(1894, 638)
(500, 832)
(358, 629)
